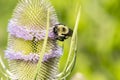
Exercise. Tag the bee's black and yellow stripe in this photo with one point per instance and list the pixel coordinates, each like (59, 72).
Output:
(62, 32)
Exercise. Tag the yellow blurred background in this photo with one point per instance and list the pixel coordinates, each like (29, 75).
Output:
(98, 56)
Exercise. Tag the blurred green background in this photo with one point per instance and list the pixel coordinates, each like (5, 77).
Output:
(98, 56)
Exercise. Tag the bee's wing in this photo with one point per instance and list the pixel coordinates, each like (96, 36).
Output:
(70, 32)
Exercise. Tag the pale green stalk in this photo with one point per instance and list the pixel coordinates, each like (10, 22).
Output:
(7, 73)
(43, 48)
(1, 78)
(73, 43)
(71, 65)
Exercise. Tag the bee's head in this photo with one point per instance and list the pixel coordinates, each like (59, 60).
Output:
(62, 32)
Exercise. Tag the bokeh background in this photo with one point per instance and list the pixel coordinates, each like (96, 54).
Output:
(98, 56)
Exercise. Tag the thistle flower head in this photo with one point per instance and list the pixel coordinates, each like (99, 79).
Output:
(29, 19)
(27, 30)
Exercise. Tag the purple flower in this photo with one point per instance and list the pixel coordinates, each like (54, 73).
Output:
(33, 57)
(28, 34)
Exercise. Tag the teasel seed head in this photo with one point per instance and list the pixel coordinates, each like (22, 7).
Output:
(27, 29)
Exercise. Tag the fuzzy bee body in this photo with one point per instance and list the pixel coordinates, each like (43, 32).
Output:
(62, 32)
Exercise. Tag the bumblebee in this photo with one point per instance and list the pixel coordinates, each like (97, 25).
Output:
(62, 32)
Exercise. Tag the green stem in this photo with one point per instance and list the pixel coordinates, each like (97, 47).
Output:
(43, 48)
(71, 45)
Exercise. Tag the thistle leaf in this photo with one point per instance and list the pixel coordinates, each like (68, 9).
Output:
(70, 64)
